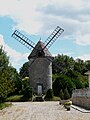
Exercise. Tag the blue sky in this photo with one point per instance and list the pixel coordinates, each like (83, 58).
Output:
(37, 19)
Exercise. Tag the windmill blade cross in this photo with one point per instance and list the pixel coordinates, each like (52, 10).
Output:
(52, 38)
(23, 39)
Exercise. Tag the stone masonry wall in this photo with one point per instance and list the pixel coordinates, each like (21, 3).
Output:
(81, 97)
(40, 72)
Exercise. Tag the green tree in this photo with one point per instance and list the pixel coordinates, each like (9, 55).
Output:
(66, 94)
(61, 94)
(4, 59)
(62, 82)
(6, 81)
(26, 88)
(6, 84)
(80, 66)
(87, 63)
(24, 70)
(62, 63)
(49, 95)
(16, 80)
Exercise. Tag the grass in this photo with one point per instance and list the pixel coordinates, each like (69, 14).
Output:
(56, 98)
(53, 99)
(4, 105)
(20, 98)
(15, 98)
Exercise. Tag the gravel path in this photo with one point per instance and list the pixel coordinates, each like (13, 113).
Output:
(41, 111)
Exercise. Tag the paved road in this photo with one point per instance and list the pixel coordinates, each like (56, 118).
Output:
(41, 111)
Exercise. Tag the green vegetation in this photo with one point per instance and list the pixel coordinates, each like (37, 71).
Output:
(68, 103)
(10, 82)
(26, 89)
(14, 98)
(68, 74)
(61, 94)
(49, 95)
(66, 94)
(24, 70)
(55, 98)
(6, 76)
(4, 105)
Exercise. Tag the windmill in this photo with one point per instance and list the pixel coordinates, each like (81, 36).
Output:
(40, 60)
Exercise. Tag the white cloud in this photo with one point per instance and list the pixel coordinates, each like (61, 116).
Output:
(16, 59)
(83, 39)
(22, 11)
(84, 57)
(34, 16)
(40, 16)
(1, 40)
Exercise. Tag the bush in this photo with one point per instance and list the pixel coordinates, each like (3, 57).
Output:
(61, 82)
(66, 94)
(27, 93)
(49, 95)
(61, 94)
(68, 103)
(26, 89)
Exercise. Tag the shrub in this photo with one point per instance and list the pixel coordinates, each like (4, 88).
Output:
(68, 103)
(61, 94)
(66, 94)
(49, 95)
(27, 93)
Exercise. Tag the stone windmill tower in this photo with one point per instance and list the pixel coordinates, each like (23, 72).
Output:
(40, 69)
(40, 60)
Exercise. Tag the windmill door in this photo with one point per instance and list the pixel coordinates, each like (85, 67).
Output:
(39, 89)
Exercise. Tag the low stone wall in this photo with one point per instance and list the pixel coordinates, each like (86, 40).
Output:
(81, 97)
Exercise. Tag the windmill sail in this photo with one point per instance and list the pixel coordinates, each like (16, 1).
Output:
(23, 40)
(52, 38)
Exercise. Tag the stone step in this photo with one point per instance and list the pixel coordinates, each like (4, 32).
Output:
(38, 99)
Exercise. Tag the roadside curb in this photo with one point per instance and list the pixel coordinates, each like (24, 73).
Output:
(80, 109)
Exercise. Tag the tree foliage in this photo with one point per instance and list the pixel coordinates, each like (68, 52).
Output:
(49, 94)
(24, 70)
(62, 63)
(61, 94)
(69, 73)
(26, 89)
(6, 77)
(66, 94)
(61, 83)
(16, 80)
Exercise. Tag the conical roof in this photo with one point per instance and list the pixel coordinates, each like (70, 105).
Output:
(39, 47)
